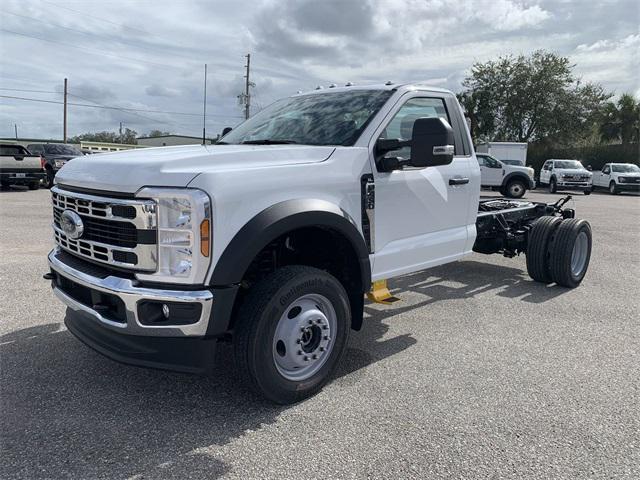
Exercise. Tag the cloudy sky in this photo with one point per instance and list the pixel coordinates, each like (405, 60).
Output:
(148, 55)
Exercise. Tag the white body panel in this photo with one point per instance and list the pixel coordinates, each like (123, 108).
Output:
(420, 220)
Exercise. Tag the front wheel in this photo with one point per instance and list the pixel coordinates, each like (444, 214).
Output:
(291, 332)
(34, 186)
(515, 189)
(553, 186)
(613, 190)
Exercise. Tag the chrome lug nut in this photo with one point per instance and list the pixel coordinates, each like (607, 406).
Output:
(299, 352)
(315, 357)
(326, 337)
(322, 349)
(306, 359)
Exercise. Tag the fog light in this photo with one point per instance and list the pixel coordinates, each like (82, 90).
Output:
(168, 313)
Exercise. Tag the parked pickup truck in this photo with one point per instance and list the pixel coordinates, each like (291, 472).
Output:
(618, 177)
(511, 180)
(54, 156)
(271, 238)
(19, 167)
(560, 174)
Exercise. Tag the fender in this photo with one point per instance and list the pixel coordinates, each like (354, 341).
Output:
(279, 219)
(518, 175)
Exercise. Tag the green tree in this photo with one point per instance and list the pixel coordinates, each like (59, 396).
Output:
(157, 133)
(529, 98)
(128, 136)
(620, 121)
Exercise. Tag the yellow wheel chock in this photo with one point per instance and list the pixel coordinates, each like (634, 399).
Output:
(380, 293)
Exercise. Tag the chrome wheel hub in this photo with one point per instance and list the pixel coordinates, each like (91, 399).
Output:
(303, 338)
(579, 254)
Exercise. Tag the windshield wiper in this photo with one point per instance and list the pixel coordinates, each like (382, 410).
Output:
(267, 141)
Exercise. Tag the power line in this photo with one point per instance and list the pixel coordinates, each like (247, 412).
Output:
(93, 34)
(97, 18)
(29, 91)
(112, 107)
(92, 50)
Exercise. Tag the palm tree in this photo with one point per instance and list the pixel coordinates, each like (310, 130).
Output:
(621, 120)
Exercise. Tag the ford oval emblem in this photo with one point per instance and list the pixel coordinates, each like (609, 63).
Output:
(71, 224)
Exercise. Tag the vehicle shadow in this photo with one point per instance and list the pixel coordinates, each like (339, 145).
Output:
(68, 412)
(467, 279)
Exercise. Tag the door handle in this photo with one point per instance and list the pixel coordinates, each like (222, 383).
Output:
(458, 181)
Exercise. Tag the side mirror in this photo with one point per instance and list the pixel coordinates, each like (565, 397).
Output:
(226, 130)
(431, 143)
(19, 157)
(590, 168)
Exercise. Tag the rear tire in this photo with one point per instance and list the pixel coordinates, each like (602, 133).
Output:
(48, 181)
(291, 332)
(515, 189)
(570, 252)
(553, 186)
(538, 248)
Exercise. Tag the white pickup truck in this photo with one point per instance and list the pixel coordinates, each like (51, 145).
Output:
(272, 238)
(618, 177)
(511, 180)
(19, 167)
(561, 174)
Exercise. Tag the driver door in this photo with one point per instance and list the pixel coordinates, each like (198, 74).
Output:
(421, 217)
(491, 171)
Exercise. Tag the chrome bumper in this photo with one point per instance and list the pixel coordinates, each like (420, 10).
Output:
(130, 295)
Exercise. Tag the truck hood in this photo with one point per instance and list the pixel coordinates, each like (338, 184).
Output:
(129, 170)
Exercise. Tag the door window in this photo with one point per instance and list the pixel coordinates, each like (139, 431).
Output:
(401, 125)
(606, 170)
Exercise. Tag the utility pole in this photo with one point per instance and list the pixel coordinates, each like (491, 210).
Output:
(120, 131)
(64, 119)
(204, 108)
(247, 95)
(15, 126)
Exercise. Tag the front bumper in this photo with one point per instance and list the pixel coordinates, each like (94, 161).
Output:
(114, 302)
(628, 187)
(185, 348)
(567, 185)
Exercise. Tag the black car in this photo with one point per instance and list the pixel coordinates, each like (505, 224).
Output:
(55, 156)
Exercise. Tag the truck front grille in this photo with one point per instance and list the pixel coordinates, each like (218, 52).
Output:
(120, 232)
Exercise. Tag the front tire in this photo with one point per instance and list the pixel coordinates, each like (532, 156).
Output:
(570, 252)
(291, 332)
(34, 186)
(553, 186)
(613, 189)
(515, 189)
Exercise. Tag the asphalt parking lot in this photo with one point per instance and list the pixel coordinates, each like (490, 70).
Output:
(478, 372)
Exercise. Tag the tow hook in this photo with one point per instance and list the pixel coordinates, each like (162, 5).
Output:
(48, 276)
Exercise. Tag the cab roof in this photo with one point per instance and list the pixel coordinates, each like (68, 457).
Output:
(376, 86)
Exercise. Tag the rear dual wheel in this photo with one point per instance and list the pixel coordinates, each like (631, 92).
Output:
(559, 251)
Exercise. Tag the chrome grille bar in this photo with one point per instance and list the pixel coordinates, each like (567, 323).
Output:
(109, 242)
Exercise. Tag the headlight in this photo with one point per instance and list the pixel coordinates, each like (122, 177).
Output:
(60, 163)
(184, 235)
(621, 180)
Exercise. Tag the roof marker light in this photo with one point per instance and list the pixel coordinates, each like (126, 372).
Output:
(348, 84)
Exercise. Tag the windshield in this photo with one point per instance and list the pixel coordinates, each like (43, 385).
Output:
(317, 119)
(626, 168)
(61, 149)
(569, 164)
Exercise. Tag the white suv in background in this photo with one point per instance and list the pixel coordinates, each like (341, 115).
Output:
(565, 175)
(511, 180)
